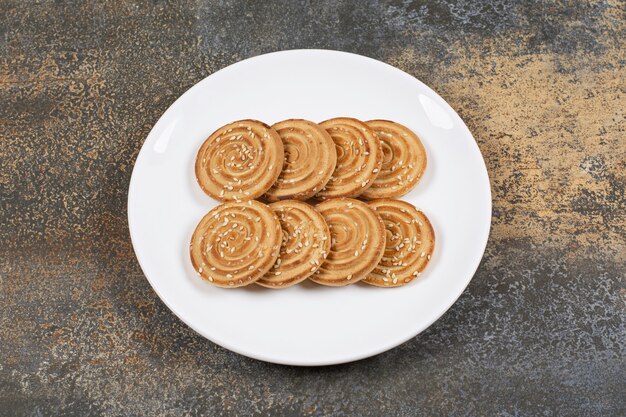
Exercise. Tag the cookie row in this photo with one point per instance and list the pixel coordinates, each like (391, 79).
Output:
(299, 159)
(338, 242)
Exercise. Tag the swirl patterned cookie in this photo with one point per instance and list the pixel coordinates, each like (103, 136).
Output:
(240, 161)
(305, 244)
(359, 158)
(410, 242)
(235, 244)
(310, 160)
(357, 241)
(404, 160)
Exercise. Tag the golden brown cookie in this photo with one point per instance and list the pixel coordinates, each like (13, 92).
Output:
(359, 158)
(357, 241)
(240, 161)
(310, 160)
(410, 244)
(404, 160)
(235, 244)
(305, 244)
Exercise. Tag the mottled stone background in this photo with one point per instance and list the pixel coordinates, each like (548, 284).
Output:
(541, 328)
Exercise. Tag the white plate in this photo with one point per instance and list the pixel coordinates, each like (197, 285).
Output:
(308, 324)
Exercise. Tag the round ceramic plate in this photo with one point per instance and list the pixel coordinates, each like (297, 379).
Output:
(308, 324)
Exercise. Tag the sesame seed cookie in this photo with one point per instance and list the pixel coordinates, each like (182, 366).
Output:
(410, 242)
(404, 160)
(310, 159)
(359, 158)
(235, 244)
(305, 244)
(357, 241)
(240, 161)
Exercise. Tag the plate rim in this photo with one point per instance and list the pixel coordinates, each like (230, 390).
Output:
(373, 352)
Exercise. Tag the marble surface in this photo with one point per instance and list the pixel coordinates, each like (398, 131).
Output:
(539, 331)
